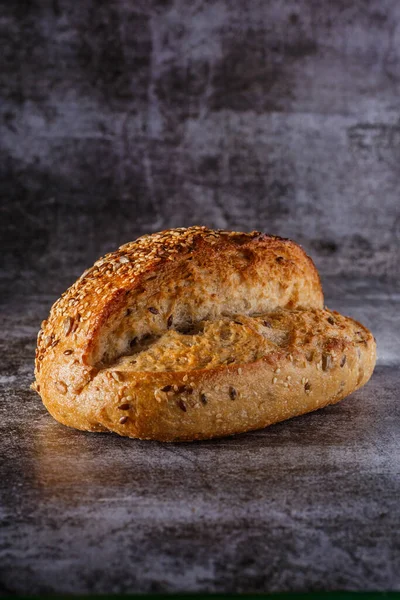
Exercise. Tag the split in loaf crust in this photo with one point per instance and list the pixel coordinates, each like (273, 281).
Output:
(194, 333)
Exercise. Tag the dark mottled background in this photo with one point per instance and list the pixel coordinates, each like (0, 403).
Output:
(124, 116)
(120, 117)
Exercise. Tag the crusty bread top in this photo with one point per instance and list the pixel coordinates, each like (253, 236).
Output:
(172, 279)
(319, 336)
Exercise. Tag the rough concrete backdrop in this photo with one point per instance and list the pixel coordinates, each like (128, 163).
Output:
(128, 116)
(121, 117)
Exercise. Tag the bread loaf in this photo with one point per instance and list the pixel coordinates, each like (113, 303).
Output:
(194, 333)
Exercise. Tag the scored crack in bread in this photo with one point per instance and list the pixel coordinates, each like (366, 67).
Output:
(194, 333)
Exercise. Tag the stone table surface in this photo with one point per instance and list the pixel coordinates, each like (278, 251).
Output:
(309, 504)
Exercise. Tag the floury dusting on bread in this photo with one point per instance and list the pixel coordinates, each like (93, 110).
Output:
(196, 333)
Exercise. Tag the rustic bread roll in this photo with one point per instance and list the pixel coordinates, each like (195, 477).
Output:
(193, 333)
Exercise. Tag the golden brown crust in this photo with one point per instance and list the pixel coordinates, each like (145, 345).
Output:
(168, 281)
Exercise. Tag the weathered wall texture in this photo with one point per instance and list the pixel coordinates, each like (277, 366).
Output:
(121, 117)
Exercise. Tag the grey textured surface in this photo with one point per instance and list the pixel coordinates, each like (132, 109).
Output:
(309, 504)
(118, 118)
(121, 117)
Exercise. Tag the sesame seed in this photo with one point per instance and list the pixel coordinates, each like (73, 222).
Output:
(326, 362)
(240, 370)
(331, 320)
(62, 387)
(232, 392)
(47, 341)
(124, 406)
(307, 387)
(68, 322)
(153, 310)
(182, 405)
(117, 375)
(267, 324)
(123, 420)
(123, 259)
(274, 380)
(277, 370)
(183, 388)
(68, 352)
(185, 378)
